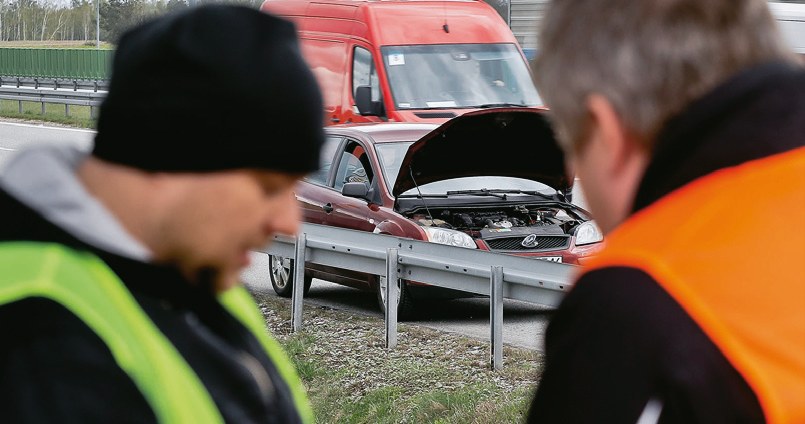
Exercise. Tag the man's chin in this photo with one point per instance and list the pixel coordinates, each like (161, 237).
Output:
(227, 280)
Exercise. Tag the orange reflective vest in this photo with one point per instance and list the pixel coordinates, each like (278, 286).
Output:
(730, 249)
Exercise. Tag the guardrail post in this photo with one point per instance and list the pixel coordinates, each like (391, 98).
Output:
(392, 294)
(298, 282)
(496, 316)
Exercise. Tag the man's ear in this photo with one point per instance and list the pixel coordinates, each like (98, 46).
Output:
(608, 129)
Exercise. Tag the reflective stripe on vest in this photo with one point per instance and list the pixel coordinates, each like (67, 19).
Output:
(241, 305)
(85, 286)
(730, 248)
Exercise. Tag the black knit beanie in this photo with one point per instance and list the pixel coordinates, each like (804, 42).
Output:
(212, 88)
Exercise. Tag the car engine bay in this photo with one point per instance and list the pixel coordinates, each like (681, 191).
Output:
(497, 220)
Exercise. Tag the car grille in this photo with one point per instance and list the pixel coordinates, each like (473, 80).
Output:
(543, 243)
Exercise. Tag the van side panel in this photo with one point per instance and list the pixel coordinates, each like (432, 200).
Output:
(332, 10)
(328, 61)
(331, 19)
(290, 10)
(422, 22)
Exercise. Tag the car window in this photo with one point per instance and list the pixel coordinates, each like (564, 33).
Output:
(328, 151)
(391, 156)
(353, 167)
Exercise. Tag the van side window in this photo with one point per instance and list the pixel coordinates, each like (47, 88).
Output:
(328, 151)
(364, 72)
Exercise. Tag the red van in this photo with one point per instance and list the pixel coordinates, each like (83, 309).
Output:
(408, 60)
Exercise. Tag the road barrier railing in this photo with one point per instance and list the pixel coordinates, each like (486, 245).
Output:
(54, 83)
(68, 97)
(496, 275)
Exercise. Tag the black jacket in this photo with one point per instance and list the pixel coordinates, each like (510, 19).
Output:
(53, 368)
(619, 340)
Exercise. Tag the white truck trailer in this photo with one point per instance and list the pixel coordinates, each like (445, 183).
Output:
(524, 18)
(791, 19)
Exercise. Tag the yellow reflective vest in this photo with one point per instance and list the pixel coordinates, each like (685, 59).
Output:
(88, 288)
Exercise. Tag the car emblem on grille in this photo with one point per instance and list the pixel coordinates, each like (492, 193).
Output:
(530, 241)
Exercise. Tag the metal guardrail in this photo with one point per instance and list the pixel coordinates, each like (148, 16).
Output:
(474, 271)
(67, 97)
(54, 83)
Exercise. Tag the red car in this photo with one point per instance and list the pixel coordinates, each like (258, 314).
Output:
(491, 180)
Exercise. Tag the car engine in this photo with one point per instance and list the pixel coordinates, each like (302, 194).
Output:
(515, 219)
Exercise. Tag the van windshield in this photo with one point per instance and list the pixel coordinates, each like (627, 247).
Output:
(454, 76)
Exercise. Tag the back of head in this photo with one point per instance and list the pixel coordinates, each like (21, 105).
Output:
(212, 88)
(649, 58)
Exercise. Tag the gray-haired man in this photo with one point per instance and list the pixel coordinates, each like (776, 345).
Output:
(685, 121)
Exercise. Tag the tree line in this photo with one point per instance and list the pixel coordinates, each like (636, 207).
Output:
(48, 20)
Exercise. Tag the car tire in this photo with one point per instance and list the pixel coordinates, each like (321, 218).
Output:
(405, 306)
(281, 272)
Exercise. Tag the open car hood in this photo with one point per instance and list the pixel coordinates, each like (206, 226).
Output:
(506, 142)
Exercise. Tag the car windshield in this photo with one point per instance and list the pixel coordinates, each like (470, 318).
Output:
(454, 76)
(392, 154)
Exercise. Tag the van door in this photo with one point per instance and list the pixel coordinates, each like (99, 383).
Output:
(328, 61)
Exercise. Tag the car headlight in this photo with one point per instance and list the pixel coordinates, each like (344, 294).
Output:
(588, 233)
(449, 237)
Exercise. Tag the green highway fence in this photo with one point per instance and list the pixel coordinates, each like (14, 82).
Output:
(84, 64)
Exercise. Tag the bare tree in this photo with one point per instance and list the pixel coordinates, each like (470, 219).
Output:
(2, 11)
(60, 19)
(45, 13)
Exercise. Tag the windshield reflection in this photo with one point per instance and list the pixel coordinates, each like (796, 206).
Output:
(458, 76)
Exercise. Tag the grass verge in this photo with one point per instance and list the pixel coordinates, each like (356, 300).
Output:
(32, 111)
(431, 377)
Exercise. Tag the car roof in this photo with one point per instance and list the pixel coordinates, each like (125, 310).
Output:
(386, 132)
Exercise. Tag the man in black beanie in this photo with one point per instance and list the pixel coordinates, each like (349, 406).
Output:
(119, 294)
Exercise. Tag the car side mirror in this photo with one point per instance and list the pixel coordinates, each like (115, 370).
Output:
(356, 190)
(363, 99)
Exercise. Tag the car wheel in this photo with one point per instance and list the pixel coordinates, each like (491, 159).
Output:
(281, 273)
(405, 304)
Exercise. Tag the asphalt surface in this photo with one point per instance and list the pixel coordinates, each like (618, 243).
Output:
(524, 324)
(15, 136)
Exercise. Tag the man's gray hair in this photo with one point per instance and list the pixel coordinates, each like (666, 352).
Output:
(648, 58)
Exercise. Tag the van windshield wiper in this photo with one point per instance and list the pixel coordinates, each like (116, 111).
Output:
(494, 105)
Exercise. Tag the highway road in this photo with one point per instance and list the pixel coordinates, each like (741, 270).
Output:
(15, 136)
(524, 324)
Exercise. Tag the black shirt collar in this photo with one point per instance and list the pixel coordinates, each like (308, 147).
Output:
(757, 113)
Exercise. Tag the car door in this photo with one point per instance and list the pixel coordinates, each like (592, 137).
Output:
(315, 193)
(354, 165)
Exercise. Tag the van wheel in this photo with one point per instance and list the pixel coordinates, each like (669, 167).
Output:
(281, 273)
(405, 304)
